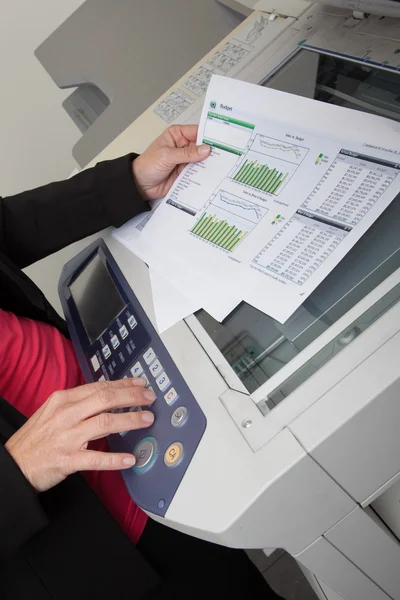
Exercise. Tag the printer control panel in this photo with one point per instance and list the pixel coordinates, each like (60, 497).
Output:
(114, 339)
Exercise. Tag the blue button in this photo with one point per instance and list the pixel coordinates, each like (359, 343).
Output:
(123, 332)
(132, 322)
(106, 351)
(114, 342)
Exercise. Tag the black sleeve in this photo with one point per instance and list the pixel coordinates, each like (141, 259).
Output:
(37, 223)
(21, 514)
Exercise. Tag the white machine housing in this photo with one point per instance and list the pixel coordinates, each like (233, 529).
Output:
(381, 8)
(294, 8)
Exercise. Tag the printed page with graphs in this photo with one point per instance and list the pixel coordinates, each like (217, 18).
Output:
(289, 188)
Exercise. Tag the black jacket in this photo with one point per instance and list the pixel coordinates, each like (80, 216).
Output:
(61, 544)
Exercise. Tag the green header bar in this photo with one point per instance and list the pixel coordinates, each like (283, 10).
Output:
(214, 115)
(222, 147)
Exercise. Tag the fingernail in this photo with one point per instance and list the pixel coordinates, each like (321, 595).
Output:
(203, 150)
(149, 395)
(147, 417)
(139, 381)
(129, 461)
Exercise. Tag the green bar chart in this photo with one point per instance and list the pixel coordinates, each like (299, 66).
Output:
(262, 177)
(218, 231)
(269, 164)
(227, 220)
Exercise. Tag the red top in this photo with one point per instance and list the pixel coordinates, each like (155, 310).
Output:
(37, 360)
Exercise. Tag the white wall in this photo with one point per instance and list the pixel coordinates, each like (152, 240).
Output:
(36, 134)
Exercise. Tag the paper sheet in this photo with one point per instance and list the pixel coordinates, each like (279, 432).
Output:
(290, 187)
(170, 305)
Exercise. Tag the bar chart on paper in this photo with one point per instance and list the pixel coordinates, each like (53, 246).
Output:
(227, 220)
(260, 176)
(269, 164)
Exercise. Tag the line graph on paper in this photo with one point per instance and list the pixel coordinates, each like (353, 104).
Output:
(279, 149)
(227, 220)
(237, 206)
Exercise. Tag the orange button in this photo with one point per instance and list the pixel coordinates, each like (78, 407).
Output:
(173, 454)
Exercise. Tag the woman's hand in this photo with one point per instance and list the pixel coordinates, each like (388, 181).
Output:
(157, 168)
(52, 444)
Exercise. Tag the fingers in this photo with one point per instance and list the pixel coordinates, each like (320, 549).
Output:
(183, 138)
(188, 154)
(84, 391)
(107, 423)
(182, 134)
(109, 397)
(89, 460)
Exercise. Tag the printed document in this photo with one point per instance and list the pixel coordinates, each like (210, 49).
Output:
(291, 185)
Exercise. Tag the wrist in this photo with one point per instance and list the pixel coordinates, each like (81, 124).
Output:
(136, 168)
(9, 446)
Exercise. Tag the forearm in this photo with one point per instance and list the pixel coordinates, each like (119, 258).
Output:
(37, 223)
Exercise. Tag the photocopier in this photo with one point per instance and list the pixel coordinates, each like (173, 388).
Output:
(300, 441)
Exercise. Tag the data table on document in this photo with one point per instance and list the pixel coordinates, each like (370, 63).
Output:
(344, 195)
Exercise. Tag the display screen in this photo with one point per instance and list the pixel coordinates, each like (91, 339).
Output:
(96, 297)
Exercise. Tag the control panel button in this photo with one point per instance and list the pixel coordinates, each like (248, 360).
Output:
(144, 376)
(114, 342)
(145, 454)
(173, 454)
(170, 396)
(149, 356)
(95, 363)
(135, 409)
(106, 351)
(102, 378)
(123, 433)
(150, 387)
(137, 369)
(123, 332)
(132, 322)
(179, 416)
(163, 381)
(156, 368)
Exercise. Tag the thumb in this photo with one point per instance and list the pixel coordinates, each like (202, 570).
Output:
(188, 154)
